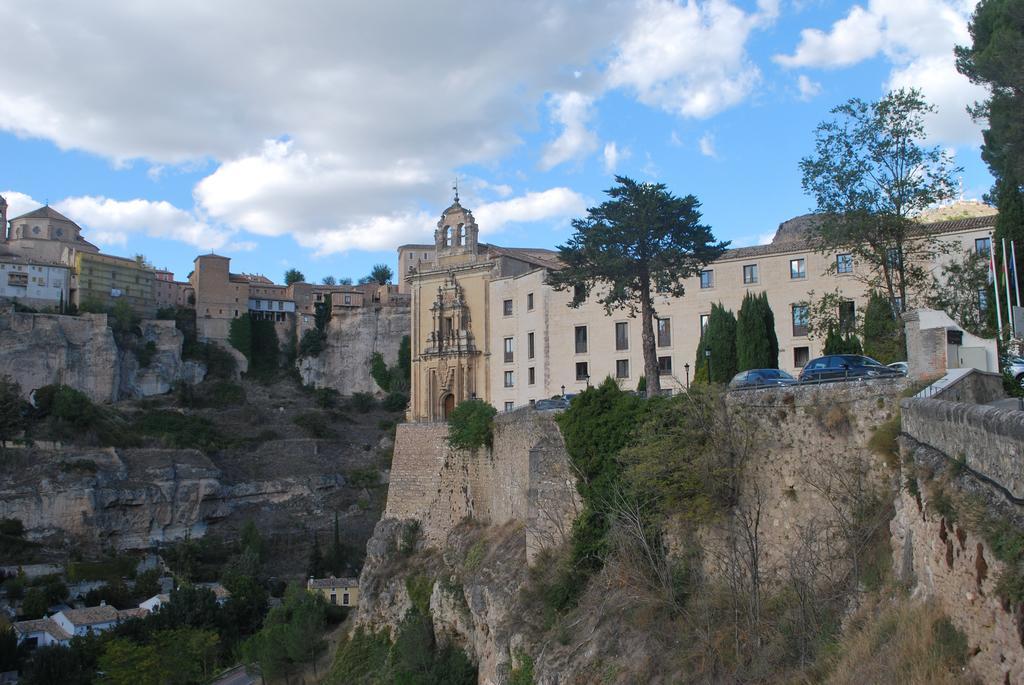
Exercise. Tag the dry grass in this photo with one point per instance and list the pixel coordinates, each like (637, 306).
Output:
(907, 642)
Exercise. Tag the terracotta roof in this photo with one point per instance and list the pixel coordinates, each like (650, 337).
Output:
(46, 212)
(137, 612)
(91, 615)
(41, 625)
(219, 590)
(332, 582)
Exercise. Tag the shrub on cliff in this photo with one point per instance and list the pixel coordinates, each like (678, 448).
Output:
(471, 425)
(312, 343)
(13, 410)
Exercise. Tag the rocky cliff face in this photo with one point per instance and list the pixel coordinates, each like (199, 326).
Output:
(80, 351)
(130, 499)
(352, 338)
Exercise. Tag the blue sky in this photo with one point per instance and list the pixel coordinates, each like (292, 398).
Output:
(322, 135)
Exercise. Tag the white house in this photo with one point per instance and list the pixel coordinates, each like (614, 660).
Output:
(43, 632)
(88, 620)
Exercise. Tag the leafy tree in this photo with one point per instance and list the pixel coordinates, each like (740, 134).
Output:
(837, 343)
(322, 313)
(329, 280)
(312, 343)
(995, 59)
(379, 371)
(719, 337)
(960, 291)
(291, 634)
(598, 424)
(35, 603)
(12, 410)
(8, 649)
(265, 346)
(641, 240)
(870, 175)
(381, 274)
(471, 425)
(883, 334)
(293, 276)
(240, 335)
(127, 663)
(345, 281)
(252, 540)
(757, 346)
(56, 664)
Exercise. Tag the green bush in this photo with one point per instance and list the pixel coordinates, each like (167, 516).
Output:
(362, 402)
(395, 402)
(225, 394)
(420, 586)
(218, 361)
(837, 343)
(326, 398)
(145, 353)
(883, 334)
(12, 527)
(240, 335)
(361, 659)
(379, 371)
(314, 424)
(884, 441)
(312, 343)
(180, 431)
(471, 425)
(757, 346)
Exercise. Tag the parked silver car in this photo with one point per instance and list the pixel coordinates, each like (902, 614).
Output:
(902, 367)
(1014, 366)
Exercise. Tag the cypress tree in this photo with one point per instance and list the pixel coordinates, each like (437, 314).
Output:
(883, 336)
(757, 346)
(720, 337)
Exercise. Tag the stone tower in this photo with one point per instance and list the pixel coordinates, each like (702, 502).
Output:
(456, 232)
(3, 218)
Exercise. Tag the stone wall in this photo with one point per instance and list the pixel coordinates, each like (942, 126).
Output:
(989, 441)
(353, 335)
(976, 387)
(946, 560)
(526, 478)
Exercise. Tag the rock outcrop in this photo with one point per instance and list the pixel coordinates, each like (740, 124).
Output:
(80, 351)
(352, 338)
(132, 498)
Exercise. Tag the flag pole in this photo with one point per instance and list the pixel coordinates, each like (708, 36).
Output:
(1006, 280)
(995, 289)
(1016, 283)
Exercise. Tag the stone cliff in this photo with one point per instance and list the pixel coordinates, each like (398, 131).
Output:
(80, 351)
(352, 338)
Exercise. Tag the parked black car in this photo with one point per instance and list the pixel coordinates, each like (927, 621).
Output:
(760, 378)
(553, 403)
(837, 367)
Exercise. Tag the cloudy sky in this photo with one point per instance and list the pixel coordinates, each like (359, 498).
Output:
(323, 134)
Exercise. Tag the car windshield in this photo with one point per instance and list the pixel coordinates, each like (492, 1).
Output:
(857, 360)
(774, 373)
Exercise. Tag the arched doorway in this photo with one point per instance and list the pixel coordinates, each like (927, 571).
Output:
(447, 405)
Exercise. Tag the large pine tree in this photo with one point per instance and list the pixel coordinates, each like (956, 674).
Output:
(757, 346)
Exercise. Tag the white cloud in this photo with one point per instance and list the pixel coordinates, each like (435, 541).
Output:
(854, 38)
(552, 204)
(808, 89)
(18, 204)
(917, 37)
(613, 155)
(111, 222)
(571, 110)
(689, 59)
(674, 140)
(707, 145)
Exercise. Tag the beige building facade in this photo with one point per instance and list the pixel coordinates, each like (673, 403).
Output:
(485, 324)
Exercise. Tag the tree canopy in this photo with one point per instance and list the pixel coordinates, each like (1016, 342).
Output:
(644, 239)
(381, 274)
(719, 337)
(870, 175)
(293, 276)
(883, 334)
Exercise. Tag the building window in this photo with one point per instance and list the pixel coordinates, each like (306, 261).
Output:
(704, 322)
(334, 598)
(844, 263)
(582, 371)
(798, 268)
(344, 599)
(847, 317)
(508, 351)
(800, 312)
(664, 332)
(983, 300)
(410, 256)
(622, 335)
(801, 355)
(509, 406)
(892, 257)
(707, 279)
(664, 366)
(529, 345)
(508, 379)
(506, 307)
(579, 293)
(749, 274)
(983, 246)
(529, 302)
(348, 299)
(531, 375)
(622, 368)
(581, 339)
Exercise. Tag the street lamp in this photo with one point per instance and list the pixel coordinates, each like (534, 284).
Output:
(563, 391)
(587, 380)
(687, 367)
(707, 355)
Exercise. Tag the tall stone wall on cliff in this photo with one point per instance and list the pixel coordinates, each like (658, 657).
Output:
(353, 336)
(525, 478)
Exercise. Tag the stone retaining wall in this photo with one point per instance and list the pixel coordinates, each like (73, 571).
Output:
(989, 441)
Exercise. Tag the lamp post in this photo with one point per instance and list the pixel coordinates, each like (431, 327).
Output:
(707, 355)
(563, 391)
(687, 367)
(586, 379)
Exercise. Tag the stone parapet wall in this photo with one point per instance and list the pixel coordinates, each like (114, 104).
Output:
(989, 441)
(525, 478)
(977, 387)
